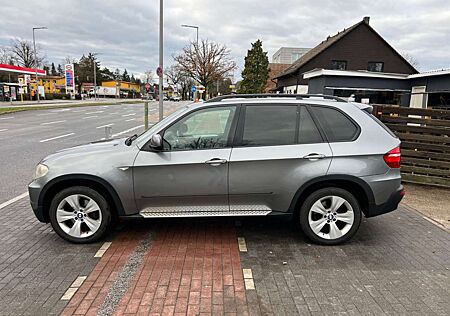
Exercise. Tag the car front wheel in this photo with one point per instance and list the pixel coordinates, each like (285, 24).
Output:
(80, 214)
(330, 216)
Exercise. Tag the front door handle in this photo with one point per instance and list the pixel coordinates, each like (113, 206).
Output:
(215, 162)
(314, 157)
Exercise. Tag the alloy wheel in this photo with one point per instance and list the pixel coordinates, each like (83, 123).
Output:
(331, 217)
(78, 216)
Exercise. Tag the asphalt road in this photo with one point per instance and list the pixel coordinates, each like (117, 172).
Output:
(27, 137)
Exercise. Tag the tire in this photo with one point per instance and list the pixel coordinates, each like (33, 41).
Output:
(91, 210)
(325, 221)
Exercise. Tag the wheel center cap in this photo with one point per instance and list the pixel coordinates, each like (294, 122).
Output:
(80, 215)
(331, 217)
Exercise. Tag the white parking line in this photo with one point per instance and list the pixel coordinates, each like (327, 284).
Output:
(88, 117)
(242, 244)
(248, 279)
(105, 125)
(94, 112)
(130, 114)
(102, 250)
(73, 288)
(56, 137)
(128, 130)
(17, 198)
(54, 122)
(2, 130)
(6, 118)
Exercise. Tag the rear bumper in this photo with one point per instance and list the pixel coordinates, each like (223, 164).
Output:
(390, 205)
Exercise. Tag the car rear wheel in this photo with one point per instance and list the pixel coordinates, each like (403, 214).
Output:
(80, 214)
(330, 216)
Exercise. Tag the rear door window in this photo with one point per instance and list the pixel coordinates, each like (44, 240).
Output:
(308, 131)
(336, 125)
(269, 125)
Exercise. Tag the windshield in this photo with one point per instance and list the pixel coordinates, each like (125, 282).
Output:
(155, 127)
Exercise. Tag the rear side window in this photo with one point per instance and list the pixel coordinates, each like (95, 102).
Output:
(308, 131)
(337, 126)
(269, 125)
(373, 117)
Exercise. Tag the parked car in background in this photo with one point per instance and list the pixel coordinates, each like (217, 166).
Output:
(320, 160)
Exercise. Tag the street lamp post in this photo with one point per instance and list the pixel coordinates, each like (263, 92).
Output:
(36, 60)
(161, 59)
(95, 75)
(196, 28)
(192, 27)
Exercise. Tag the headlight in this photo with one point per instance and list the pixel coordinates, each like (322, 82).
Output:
(41, 170)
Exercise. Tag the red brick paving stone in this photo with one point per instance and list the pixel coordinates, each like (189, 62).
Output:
(187, 270)
(94, 289)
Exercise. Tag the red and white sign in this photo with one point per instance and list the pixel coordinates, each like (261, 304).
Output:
(69, 73)
(159, 71)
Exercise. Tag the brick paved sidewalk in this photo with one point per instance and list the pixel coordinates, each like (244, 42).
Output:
(397, 264)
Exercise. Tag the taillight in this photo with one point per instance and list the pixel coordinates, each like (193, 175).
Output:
(393, 157)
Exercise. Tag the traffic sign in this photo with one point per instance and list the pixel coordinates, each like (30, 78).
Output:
(194, 89)
(159, 71)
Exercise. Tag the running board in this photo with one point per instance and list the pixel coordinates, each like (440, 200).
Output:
(153, 214)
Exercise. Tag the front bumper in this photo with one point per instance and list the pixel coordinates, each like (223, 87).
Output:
(34, 190)
(390, 205)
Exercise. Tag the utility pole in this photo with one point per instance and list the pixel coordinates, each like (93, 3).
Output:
(192, 27)
(36, 60)
(161, 59)
(95, 75)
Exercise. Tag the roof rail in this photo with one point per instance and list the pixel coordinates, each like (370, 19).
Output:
(274, 95)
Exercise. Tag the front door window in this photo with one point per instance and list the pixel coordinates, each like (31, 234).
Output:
(203, 129)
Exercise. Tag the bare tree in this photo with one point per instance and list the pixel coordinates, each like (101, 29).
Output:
(411, 59)
(206, 62)
(174, 74)
(23, 53)
(69, 60)
(5, 55)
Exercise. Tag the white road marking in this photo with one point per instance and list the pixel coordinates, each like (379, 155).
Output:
(54, 122)
(56, 137)
(6, 118)
(2, 130)
(88, 117)
(105, 125)
(248, 279)
(73, 288)
(130, 120)
(61, 110)
(94, 112)
(49, 113)
(127, 131)
(242, 244)
(79, 110)
(130, 114)
(17, 198)
(114, 113)
(102, 250)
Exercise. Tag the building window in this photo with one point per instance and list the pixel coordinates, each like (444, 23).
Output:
(339, 64)
(376, 66)
(294, 57)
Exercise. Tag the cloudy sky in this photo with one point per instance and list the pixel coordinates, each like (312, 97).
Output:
(126, 32)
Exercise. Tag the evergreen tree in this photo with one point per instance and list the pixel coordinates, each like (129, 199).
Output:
(125, 76)
(133, 80)
(53, 70)
(60, 70)
(256, 70)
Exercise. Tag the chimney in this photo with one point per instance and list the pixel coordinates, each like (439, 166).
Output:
(366, 19)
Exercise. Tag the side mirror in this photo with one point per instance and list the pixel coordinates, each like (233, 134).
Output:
(156, 142)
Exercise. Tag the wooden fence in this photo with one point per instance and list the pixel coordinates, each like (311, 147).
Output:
(425, 136)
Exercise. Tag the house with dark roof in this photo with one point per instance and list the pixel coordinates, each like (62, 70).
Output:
(357, 48)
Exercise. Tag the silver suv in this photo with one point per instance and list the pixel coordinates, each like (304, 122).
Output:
(321, 160)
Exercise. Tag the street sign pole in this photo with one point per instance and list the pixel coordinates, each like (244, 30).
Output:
(161, 97)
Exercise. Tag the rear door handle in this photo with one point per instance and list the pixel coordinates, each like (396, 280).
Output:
(215, 162)
(314, 156)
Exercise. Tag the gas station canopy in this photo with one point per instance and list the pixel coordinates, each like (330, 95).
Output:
(21, 70)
